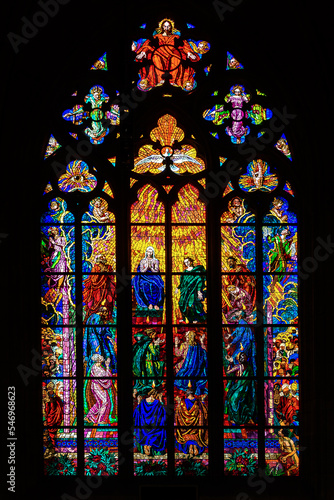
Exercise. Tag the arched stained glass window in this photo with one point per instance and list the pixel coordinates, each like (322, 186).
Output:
(170, 272)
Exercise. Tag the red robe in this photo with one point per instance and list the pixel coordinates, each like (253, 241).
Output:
(167, 57)
(99, 290)
(54, 414)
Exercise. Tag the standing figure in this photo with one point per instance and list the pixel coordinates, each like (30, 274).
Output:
(240, 396)
(99, 339)
(194, 363)
(191, 419)
(149, 421)
(57, 261)
(289, 456)
(148, 285)
(54, 412)
(191, 288)
(282, 251)
(99, 289)
(100, 393)
(148, 368)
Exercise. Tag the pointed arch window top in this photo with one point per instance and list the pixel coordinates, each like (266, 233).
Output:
(180, 161)
(148, 208)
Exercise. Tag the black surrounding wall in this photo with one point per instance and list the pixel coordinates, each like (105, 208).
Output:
(288, 47)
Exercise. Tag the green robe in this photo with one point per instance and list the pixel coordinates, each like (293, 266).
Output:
(146, 365)
(240, 398)
(190, 305)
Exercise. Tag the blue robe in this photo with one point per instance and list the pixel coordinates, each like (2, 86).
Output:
(148, 421)
(95, 341)
(244, 335)
(195, 365)
(149, 289)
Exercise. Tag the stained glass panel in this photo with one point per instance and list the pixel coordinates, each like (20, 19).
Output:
(148, 249)
(280, 295)
(155, 159)
(238, 298)
(100, 394)
(148, 209)
(58, 352)
(60, 452)
(163, 52)
(238, 248)
(59, 403)
(281, 358)
(282, 402)
(149, 358)
(240, 452)
(280, 248)
(150, 436)
(101, 451)
(282, 451)
(57, 250)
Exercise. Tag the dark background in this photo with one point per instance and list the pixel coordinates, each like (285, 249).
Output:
(288, 46)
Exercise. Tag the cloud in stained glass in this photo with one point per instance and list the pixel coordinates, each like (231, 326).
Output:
(77, 178)
(177, 160)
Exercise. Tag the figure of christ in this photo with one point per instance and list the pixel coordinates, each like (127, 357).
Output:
(54, 412)
(191, 419)
(99, 289)
(240, 395)
(100, 393)
(99, 339)
(191, 289)
(148, 367)
(149, 286)
(289, 456)
(149, 421)
(163, 56)
(193, 365)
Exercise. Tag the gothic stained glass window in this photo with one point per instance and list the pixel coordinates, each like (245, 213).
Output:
(211, 311)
